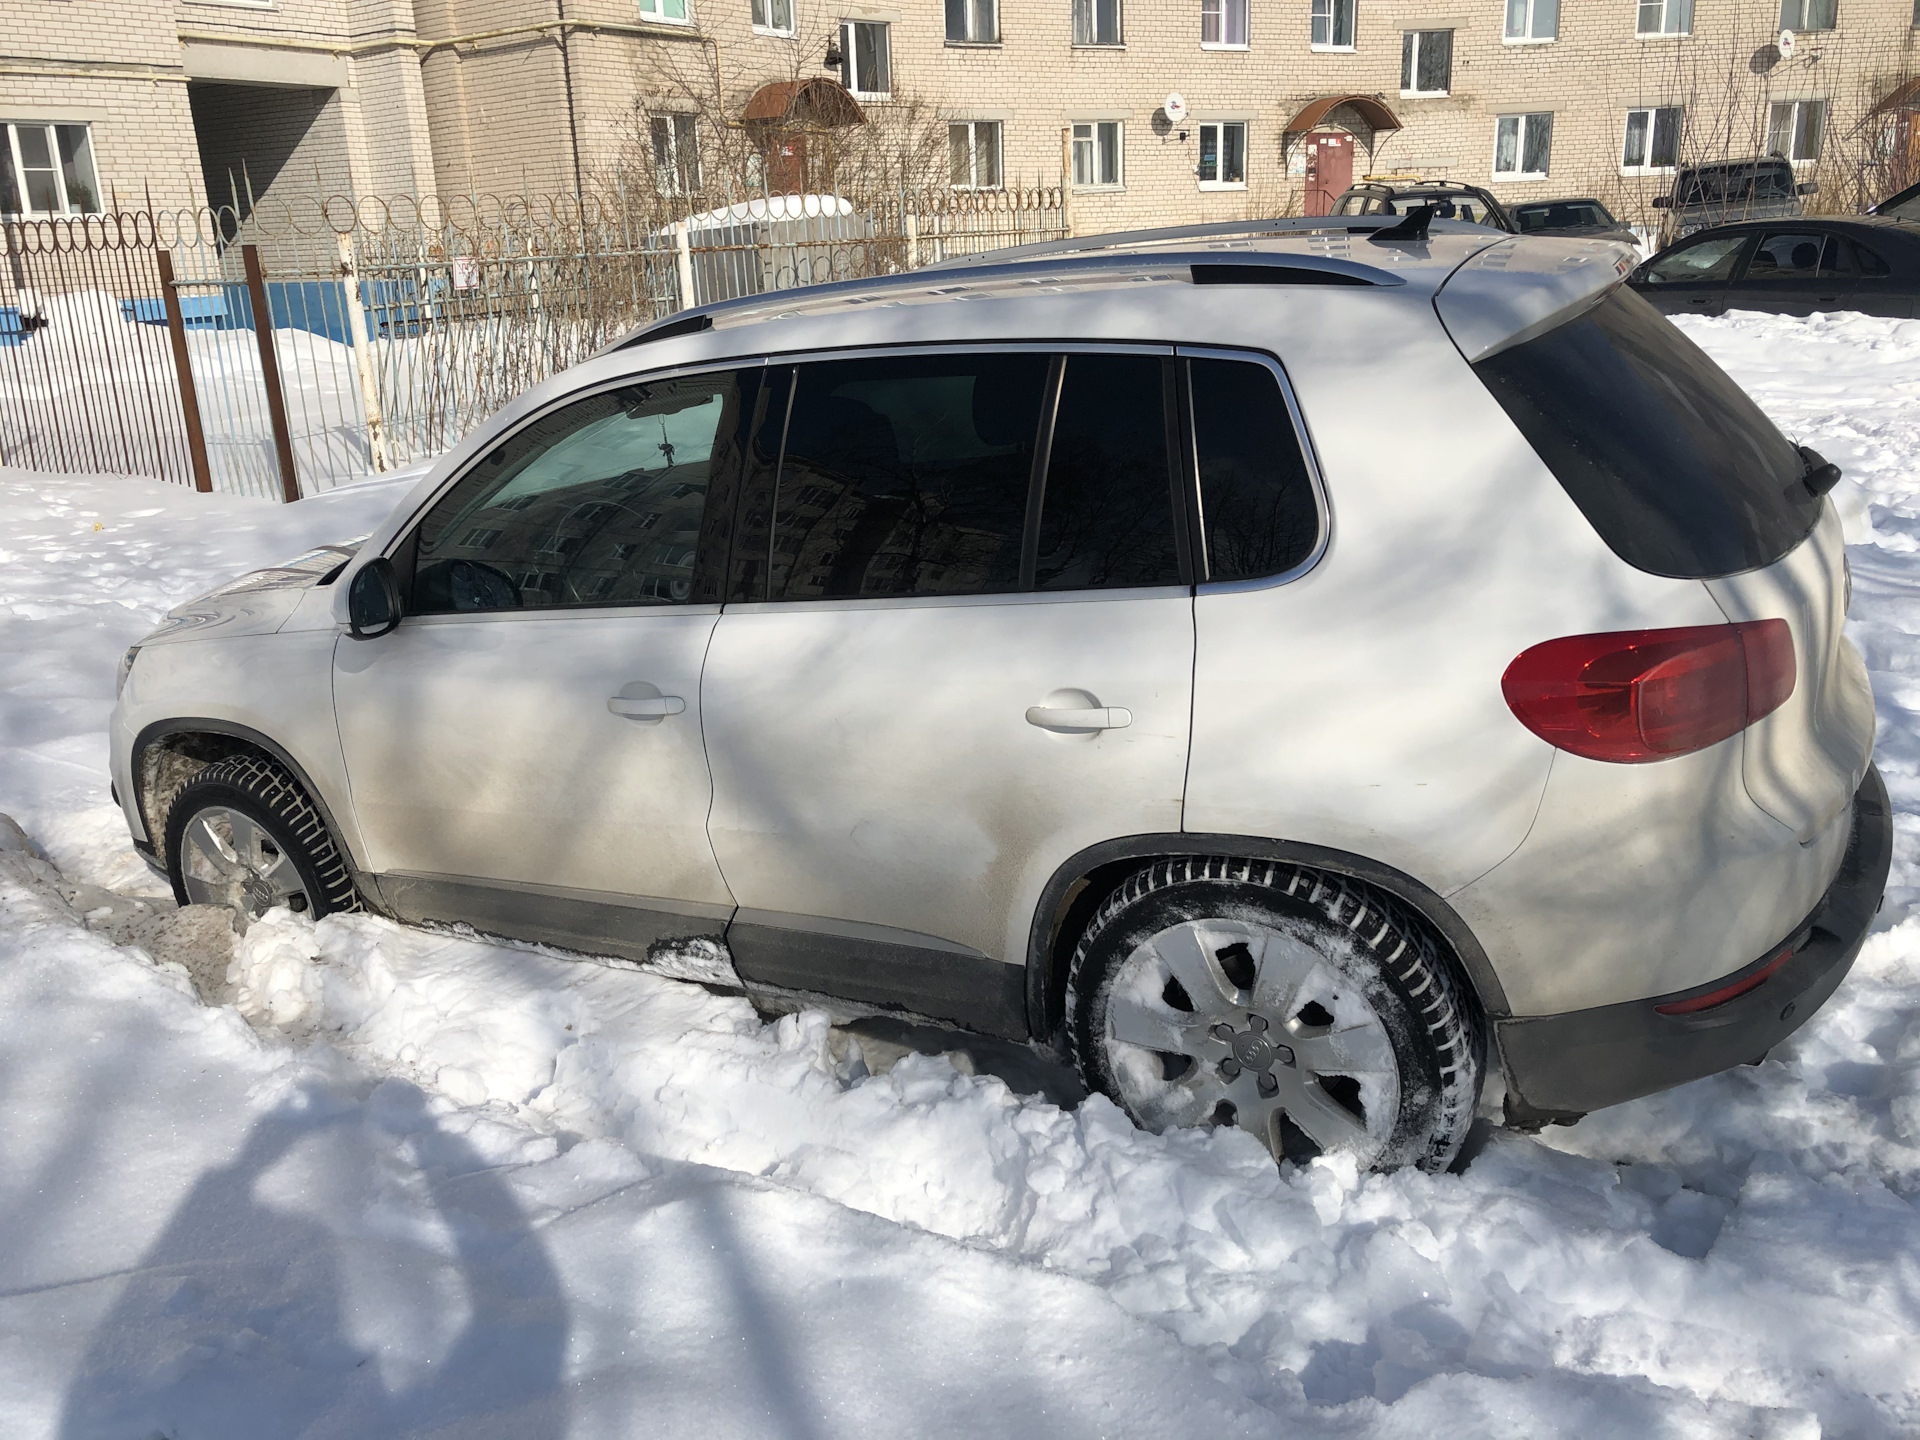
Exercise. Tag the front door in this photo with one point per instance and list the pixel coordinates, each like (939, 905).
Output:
(1329, 170)
(525, 751)
(1692, 278)
(960, 666)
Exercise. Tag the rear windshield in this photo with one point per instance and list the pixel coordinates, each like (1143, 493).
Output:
(1560, 215)
(1667, 458)
(1733, 184)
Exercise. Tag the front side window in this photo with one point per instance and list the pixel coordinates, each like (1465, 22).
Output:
(597, 503)
(1810, 14)
(868, 59)
(1096, 153)
(1653, 139)
(1796, 128)
(1530, 21)
(1426, 62)
(1665, 17)
(1704, 262)
(973, 151)
(775, 17)
(973, 22)
(1223, 155)
(1257, 511)
(1223, 24)
(47, 170)
(1331, 25)
(1096, 22)
(672, 11)
(1522, 146)
(676, 154)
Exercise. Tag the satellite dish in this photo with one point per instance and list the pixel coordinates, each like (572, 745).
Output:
(1786, 44)
(1176, 107)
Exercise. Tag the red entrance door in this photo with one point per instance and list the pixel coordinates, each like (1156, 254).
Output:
(1329, 170)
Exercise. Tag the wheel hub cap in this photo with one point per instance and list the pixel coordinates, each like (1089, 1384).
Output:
(227, 858)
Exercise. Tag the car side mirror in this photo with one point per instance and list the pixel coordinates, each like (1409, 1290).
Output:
(1663, 202)
(373, 601)
(1807, 187)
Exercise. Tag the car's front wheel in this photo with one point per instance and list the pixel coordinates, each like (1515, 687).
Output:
(1298, 1005)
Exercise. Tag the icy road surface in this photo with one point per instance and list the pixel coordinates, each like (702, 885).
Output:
(401, 1184)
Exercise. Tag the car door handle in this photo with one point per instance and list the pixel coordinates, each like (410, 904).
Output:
(1106, 717)
(648, 707)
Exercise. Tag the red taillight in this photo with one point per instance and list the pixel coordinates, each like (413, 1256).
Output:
(1639, 695)
(1727, 992)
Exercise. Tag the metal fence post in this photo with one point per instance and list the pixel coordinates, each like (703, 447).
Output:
(683, 262)
(183, 367)
(913, 240)
(270, 372)
(1066, 179)
(363, 356)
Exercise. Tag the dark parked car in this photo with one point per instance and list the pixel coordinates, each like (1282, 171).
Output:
(1396, 197)
(1584, 217)
(1789, 267)
(1901, 205)
(1727, 191)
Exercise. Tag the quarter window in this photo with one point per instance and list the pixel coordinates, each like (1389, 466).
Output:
(1809, 14)
(1223, 24)
(597, 503)
(1331, 25)
(1522, 146)
(773, 16)
(673, 11)
(1426, 62)
(1257, 511)
(867, 50)
(1653, 139)
(47, 170)
(1796, 128)
(1096, 22)
(1223, 155)
(1096, 153)
(1665, 17)
(973, 22)
(1532, 20)
(973, 150)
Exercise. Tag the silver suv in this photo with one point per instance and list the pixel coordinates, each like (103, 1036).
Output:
(1299, 671)
(1729, 190)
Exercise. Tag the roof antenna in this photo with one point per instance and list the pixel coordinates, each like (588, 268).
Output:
(1412, 227)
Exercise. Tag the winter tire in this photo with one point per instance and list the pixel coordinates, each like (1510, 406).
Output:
(242, 834)
(1301, 1006)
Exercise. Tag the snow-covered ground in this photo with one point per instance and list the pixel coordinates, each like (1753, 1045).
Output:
(393, 1183)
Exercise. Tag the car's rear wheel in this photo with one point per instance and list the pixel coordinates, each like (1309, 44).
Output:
(1301, 1006)
(242, 834)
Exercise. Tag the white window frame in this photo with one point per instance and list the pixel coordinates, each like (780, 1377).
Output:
(855, 80)
(970, 11)
(667, 12)
(1523, 124)
(766, 18)
(1324, 19)
(1798, 109)
(10, 136)
(1675, 19)
(1530, 12)
(1652, 112)
(1793, 15)
(1220, 128)
(675, 173)
(1227, 18)
(1091, 150)
(1086, 24)
(973, 129)
(1411, 73)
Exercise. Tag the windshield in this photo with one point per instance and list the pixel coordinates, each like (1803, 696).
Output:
(1561, 215)
(1679, 472)
(1735, 185)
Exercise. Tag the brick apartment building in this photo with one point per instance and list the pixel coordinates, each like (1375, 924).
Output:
(184, 101)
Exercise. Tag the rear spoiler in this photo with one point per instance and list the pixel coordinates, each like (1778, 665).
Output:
(1508, 293)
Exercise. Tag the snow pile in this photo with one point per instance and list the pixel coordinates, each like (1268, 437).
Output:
(395, 1182)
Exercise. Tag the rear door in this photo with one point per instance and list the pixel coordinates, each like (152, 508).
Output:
(965, 653)
(1795, 270)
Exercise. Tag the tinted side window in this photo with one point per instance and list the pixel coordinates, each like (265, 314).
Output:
(596, 503)
(906, 476)
(1256, 499)
(1107, 517)
(1679, 472)
(1702, 262)
(1785, 255)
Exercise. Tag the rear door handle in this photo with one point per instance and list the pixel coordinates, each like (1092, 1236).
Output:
(648, 707)
(1108, 717)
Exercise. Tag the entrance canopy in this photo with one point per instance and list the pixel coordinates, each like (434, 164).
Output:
(1365, 117)
(813, 104)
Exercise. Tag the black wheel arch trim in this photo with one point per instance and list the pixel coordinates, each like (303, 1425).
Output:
(1042, 962)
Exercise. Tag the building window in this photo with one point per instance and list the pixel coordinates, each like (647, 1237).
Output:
(676, 154)
(1426, 62)
(1223, 155)
(1795, 129)
(1532, 21)
(1521, 146)
(1809, 14)
(1223, 24)
(47, 170)
(1332, 27)
(1665, 17)
(773, 17)
(869, 59)
(1096, 153)
(1096, 22)
(1653, 140)
(973, 146)
(672, 11)
(973, 22)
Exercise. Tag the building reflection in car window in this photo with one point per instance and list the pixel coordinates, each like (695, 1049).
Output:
(907, 476)
(1256, 499)
(1702, 262)
(597, 503)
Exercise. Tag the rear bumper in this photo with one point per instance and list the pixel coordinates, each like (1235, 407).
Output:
(1559, 1066)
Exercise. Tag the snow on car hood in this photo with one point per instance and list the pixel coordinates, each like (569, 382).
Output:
(257, 603)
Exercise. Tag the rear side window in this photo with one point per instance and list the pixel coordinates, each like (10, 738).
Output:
(1679, 472)
(1257, 510)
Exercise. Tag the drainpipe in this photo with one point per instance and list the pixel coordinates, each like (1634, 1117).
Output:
(566, 77)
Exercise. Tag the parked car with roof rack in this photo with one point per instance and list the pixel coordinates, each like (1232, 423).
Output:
(1451, 200)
